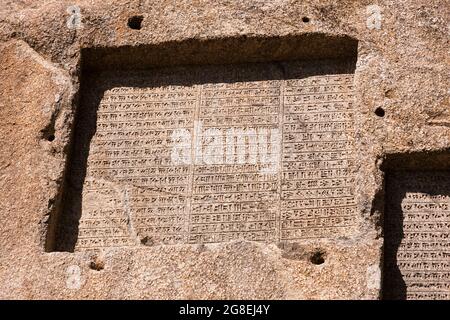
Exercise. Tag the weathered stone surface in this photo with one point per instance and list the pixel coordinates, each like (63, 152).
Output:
(363, 107)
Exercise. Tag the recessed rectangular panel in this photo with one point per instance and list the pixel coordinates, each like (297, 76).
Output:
(206, 154)
(417, 235)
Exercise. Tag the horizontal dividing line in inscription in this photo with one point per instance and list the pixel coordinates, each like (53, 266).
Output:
(154, 130)
(313, 227)
(144, 101)
(425, 231)
(403, 249)
(345, 81)
(349, 121)
(426, 211)
(137, 137)
(349, 151)
(193, 92)
(313, 237)
(201, 165)
(215, 89)
(244, 105)
(272, 228)
(306, 189)
(196, 175)
(151, 148)
(427, 202)
(350, 206)
(140, 167)
(101, 113)
(316, 141)
(420, 281)
(418, 241)
(212, 117)
(230, 222)
(323, 93)
(283, 210)
(319, 217)
(175, 94)
(430, 270)
(307, 131)
(237, 182)
(317, 178)
(235, 125)
(93, 248)
(320, 103)
(123, 245)
(298, 136)
(240, 202)
(232, 202)
(104, 237)
(239, 192)
(274, 191)
(182, 194)
(174, 127)
(225, 89)
(123, 227)
(105, 246)
(278, 113)
(290, 180)
(153, 90)
(288, 104)
(314, 160)
(422, 212)
(424, 222)
(189, 117)
(322, 198)
(156, 149)
(237, 96)
(203, 213)
(124, 218)
(304, 197)
(421, 260)
(239, 213)
(149, 119)
(427, 291)
(442, 220)
(173, 176)
(314, 169)
(319, 112)
(303, 238)
(315, 150)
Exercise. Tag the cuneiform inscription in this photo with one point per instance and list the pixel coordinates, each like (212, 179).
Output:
(262, 160)
(417, 242)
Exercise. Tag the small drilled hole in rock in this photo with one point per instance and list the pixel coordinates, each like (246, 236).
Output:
(389, 93)
(305, 19)
(147, 241)
(135, 22)
(97, 264)
(318, 257)
(51, 137)
(380, 112)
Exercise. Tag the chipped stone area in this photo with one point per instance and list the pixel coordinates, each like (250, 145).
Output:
(352, 96)
(225, 153)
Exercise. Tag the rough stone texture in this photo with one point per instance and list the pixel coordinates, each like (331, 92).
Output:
(402, 68)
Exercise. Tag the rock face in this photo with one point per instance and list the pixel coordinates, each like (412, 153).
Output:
(224, 150)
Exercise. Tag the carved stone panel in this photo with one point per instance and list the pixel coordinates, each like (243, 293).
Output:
(261, 152)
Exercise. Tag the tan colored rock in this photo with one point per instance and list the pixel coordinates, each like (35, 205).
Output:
(356, 100)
